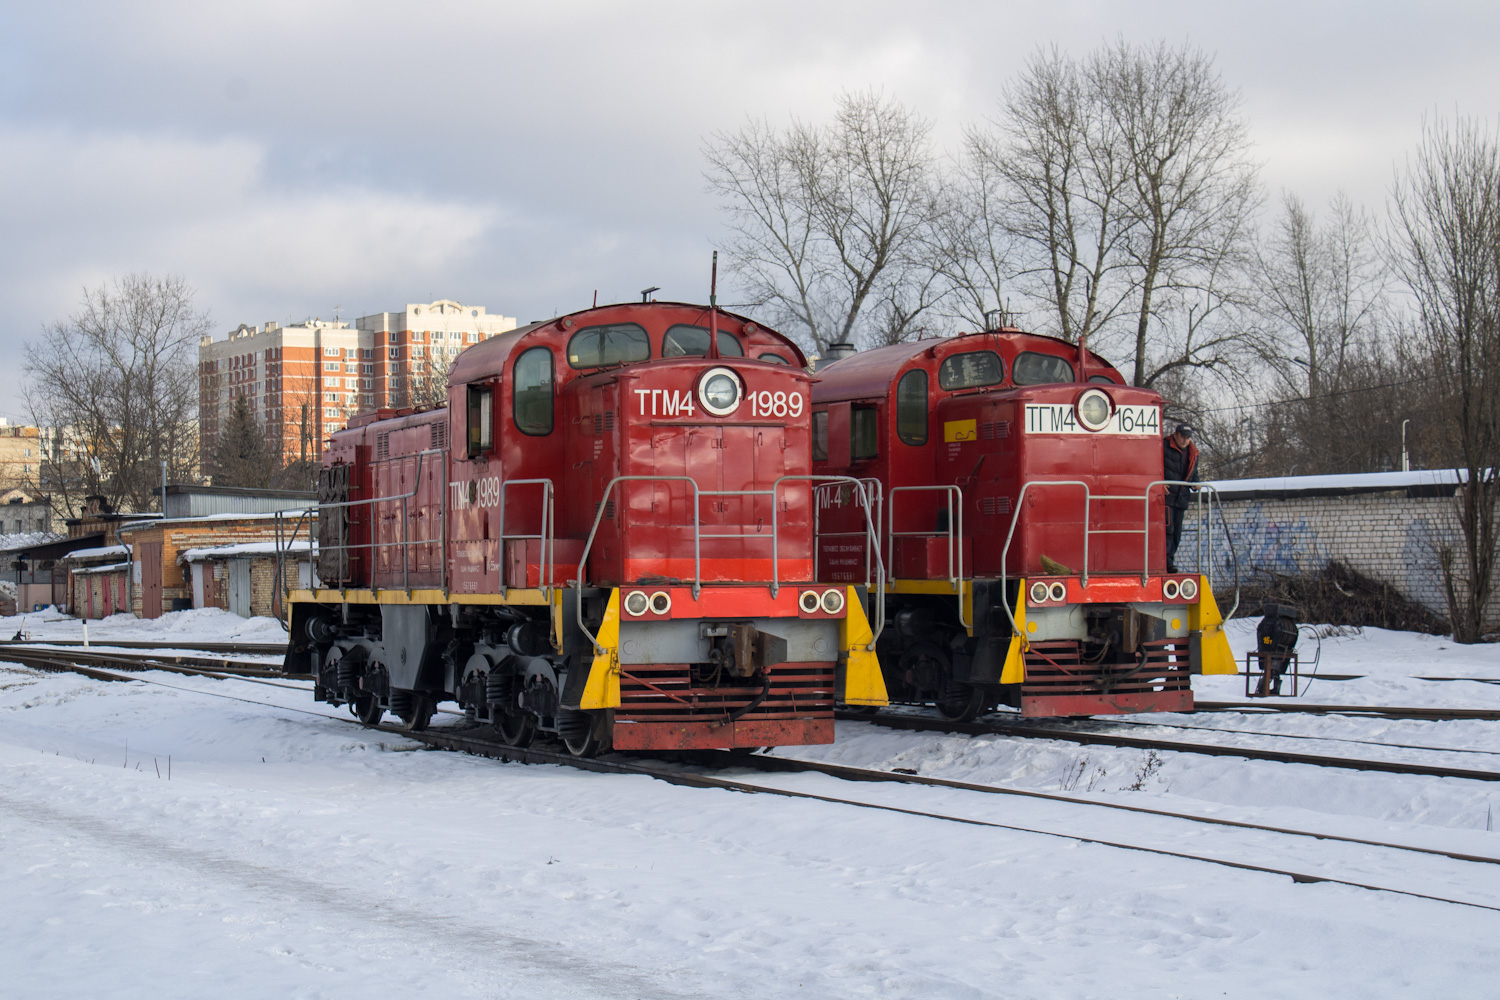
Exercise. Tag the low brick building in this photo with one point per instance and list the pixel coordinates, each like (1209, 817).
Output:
(162, 575)
(98, 581)
(245, 577)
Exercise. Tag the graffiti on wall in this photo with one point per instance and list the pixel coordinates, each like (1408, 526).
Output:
(1261, 543)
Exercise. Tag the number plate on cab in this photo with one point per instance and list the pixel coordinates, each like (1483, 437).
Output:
(1061, 418)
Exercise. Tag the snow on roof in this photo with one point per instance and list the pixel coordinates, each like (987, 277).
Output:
(99, 553)
(244, 549)
(109, 568)
(266, 516)
(27, 539)
(1360, 482)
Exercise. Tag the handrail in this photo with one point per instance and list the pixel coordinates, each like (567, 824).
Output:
(698, 495)
(406, 543)
(547, 537)
(873, 492)
(864, 501)
(1088, 497)
(955, 541)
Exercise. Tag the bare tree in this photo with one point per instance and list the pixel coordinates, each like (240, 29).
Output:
(1324, 288)
(1446, 248)
(1131, 197)
(1192, 187)
(974, 246)
(429, 387)
(831, 223)
(118, 383)
(1061, 157)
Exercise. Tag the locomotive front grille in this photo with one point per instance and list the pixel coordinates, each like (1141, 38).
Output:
(667, 693)
(1060, 681)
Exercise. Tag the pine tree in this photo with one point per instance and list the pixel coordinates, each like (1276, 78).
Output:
(243, 458)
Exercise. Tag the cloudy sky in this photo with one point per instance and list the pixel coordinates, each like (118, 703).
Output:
(291, 159)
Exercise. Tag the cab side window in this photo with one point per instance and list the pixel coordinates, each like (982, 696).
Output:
(864, 439)
(911, 407)
(532, 388)
(481, 419)
(820, 436)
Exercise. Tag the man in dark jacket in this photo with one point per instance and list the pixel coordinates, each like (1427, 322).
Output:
(1179, 459)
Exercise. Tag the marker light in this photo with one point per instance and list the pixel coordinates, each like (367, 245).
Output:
(636, 602)
(833, 601)
(661, 602)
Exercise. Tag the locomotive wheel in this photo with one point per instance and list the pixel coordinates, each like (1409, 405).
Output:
(419, 714)
(366, 708)
(515, 728)
(579, 732)
(961, 702)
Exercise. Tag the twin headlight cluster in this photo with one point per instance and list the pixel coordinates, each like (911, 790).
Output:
(1180, 590)
(638, 602)
(829, 602)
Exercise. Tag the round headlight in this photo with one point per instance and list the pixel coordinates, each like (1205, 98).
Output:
(1039, 593)
(1188, 589)
(1169, 590)
(1094, 409)
(808, 602)
(833, 601)
(636, 602)
(1058, 591)
(719, 392)
(661, 602)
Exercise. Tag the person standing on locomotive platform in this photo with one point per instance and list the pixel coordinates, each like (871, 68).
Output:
(1180, 463)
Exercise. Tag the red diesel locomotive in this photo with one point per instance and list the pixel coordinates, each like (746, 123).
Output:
(1023, 527)
(607, 535)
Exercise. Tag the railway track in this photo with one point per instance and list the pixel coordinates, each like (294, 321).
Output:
(39, 655)
(925, 723)
(1370, 711)
(684, 770)
(263, 648)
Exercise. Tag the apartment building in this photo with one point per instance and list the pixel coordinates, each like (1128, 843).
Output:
(20, 454)
(303, 381)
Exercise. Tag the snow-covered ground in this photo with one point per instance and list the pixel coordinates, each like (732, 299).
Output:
(291, 854)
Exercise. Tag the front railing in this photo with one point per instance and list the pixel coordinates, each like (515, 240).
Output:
(696, 524)
(1204, 494)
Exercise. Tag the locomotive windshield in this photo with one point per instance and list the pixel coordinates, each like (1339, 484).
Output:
(1032, 368)
(971, 370)
(684, 340)
(612, 344)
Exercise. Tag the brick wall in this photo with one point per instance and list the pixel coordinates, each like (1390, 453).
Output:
(176, 578)
(1389, 536)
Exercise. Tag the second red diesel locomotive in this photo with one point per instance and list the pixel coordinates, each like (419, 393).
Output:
(1023, 527)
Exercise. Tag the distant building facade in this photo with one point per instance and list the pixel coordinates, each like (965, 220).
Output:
(302, 382)
(21, 451)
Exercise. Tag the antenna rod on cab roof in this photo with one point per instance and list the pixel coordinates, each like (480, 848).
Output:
(713, 310)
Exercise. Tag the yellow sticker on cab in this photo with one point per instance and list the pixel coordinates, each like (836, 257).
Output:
(960, 430)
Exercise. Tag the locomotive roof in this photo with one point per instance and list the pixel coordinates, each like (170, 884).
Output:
(869, 373)
(487, 359)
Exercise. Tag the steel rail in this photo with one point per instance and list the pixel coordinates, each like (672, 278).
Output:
(929, 724)
(486, 748)
(269, 648)
(528, 755)
(1377, 711)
